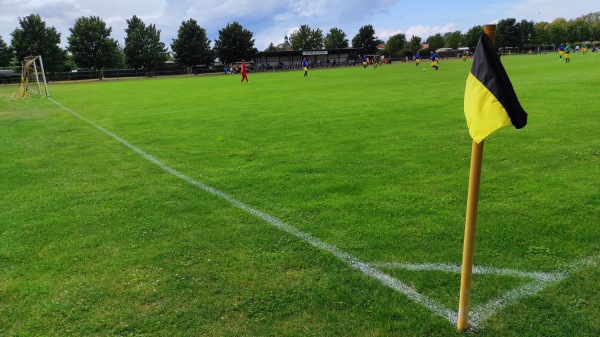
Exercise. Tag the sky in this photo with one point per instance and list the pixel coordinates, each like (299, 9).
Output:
(271, 20)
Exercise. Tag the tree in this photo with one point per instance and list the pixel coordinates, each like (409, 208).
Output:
(91, 46)
(414, 45)
(557, 31)
(396, 43)
(234, 44)
(592, 18)
(271, 47)
(579, 30)
(366, 40)
(472, 37)
(33, 38)
(507, 33)
(5, 54)
(336, 38)
(15, 64)
(540, 35)
(306, 38)
(526, 35)
(436, 42)
(120, 57)
(143, 48)
(595, 33)
(454, 39)
(192, 47)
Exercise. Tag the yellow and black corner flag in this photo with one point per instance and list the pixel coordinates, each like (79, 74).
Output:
(490, 100)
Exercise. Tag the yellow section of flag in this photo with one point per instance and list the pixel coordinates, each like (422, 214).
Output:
(490, 100)
(484, 113)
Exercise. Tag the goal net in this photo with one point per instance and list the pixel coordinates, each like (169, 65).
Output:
(33, 78)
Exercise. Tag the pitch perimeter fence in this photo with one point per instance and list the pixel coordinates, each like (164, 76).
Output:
(86, 75)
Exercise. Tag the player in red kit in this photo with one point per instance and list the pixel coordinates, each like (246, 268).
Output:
(244, 74)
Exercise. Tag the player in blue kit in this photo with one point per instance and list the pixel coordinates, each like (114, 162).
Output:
(434, 60)
(561, 51)
(305, 66)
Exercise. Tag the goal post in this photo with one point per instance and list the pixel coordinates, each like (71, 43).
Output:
(33, 78)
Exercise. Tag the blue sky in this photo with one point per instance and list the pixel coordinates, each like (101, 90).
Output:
(271, 20)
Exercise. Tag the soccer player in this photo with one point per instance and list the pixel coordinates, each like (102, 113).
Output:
(567, 53)
(434, 60)
(244, 74)
(561, 51)
(417, 59)
(465, 55)
(305, 66)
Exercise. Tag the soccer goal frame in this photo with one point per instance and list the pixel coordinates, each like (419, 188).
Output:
(32, 69)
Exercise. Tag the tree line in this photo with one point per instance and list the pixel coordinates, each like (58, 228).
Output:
(91, 47)
(524, 35)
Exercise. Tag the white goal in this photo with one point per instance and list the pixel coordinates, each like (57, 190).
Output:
(33, 78)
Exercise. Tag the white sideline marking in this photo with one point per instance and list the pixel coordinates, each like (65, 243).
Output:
(477, 315)
(455, 268)
(352, 261)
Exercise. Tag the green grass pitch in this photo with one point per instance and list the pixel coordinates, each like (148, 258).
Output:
(104, 230)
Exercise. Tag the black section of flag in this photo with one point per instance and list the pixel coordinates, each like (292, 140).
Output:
(488, 69)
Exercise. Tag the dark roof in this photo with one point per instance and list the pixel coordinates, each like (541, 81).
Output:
(299, 52)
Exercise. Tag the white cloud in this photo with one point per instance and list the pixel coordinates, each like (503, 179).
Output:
(426, 31)
(545, 10)
(62, 14)
(385, 34)
(273, 35)
(215, 13)
(269, 20)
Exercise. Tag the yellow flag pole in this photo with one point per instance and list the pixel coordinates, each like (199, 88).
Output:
(469, 241)
(471, 221)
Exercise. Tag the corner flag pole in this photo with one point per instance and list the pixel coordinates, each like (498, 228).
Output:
(471, 221)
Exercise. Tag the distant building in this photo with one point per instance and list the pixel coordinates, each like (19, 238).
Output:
(285, 45)
(292, 59)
